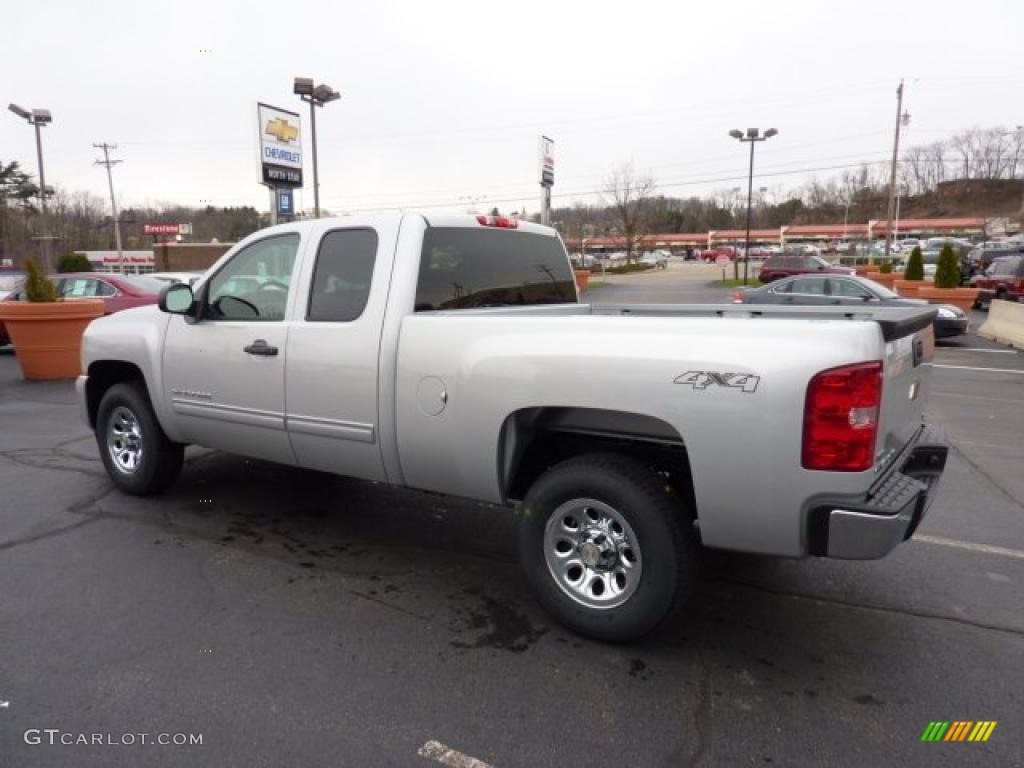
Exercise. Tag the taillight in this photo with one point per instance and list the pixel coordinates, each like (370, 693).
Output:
(503, 222)
(841, 418)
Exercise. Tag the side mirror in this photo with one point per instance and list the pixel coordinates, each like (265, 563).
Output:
(176, 299)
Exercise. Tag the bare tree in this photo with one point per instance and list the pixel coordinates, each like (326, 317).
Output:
(628, 193)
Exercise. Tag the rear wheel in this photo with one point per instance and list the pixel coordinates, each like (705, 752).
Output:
(608, 548)
(138, 456)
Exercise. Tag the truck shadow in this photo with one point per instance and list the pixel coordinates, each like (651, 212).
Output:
(451, 562)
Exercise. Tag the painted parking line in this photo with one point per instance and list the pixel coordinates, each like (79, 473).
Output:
(970, 546)
(977, 349)
(435, 750)
(974, 368)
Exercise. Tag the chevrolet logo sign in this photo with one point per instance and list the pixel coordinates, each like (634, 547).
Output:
(282, 130)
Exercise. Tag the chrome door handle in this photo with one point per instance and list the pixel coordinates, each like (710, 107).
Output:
(260, 347)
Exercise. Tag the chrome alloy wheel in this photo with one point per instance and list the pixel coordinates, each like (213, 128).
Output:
(592, 553)
(124, 440)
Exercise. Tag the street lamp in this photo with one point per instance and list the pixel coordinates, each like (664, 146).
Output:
(315, 96)
(38, 118)
(752, 136)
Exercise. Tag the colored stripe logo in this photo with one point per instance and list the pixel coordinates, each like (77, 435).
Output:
(959, 730)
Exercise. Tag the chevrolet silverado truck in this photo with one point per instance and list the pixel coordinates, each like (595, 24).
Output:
(452, 354)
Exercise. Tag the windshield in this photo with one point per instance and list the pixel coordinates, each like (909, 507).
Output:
(878, 289)
(467, 267)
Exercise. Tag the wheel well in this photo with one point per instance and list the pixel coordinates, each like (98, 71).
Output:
(533, 440)
(103, 374)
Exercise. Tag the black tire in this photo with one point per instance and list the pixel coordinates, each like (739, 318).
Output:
(656, 518)
(159, 460)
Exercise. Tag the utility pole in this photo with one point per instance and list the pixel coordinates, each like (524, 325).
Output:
(108, 163)
(892, 174)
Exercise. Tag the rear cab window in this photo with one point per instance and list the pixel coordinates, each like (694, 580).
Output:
(468, 268)
(342, 277)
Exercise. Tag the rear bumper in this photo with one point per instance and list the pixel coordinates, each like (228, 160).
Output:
(872, 525)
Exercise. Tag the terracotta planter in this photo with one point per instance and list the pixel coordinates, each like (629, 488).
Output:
(863, 269)
(582, 279)
(47, 336)
(885, 278)
(908, 288)
(963, 298)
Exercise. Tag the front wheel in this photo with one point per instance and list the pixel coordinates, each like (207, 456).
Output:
(138, 456)
(608, 548)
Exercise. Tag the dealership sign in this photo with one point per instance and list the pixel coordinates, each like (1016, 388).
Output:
(547, 161)
(280, 146)
(167, 229)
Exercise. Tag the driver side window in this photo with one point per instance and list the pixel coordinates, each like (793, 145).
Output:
(254, 284)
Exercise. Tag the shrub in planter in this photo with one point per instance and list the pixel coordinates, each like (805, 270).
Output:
(74, 262)
(947, 288)
(47, 331)
(915, 265)
(38, 288)
(886, 268)
(947, 274)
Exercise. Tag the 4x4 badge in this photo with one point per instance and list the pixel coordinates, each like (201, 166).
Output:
(703, 379)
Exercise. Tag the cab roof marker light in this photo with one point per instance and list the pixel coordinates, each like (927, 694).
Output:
(501, 222)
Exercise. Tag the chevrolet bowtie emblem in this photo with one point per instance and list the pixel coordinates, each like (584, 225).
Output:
(282, 130)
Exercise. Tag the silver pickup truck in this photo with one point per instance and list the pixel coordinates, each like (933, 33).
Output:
(451, 354)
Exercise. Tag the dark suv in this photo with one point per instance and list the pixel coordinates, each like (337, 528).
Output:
(1003, 280)
(788, 264)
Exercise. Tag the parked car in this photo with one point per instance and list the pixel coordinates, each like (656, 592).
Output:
(10, 281)
(117, 291)
(980, 258)
(657, 259)
(905, 246)
(446, 353)
(849, 291)
(796, 263)
(729, 251)
(761, 251)
(1004, 279)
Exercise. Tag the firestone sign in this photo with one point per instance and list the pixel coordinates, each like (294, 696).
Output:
(167, 229)
(280, 146)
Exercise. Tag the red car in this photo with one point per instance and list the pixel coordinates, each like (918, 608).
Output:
(728, 251)
(117, 291)
(1004, 279)
(789, 264)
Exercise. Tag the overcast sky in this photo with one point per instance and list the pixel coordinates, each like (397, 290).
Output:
(444, 100)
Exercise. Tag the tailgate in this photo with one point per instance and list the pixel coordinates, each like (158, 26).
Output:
(907, 373)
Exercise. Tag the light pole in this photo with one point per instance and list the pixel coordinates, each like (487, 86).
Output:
(901, 120)
(39, 118)
(315, 96)
(752, 136)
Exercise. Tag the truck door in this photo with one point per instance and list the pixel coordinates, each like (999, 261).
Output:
(333, 350)
(224, 374)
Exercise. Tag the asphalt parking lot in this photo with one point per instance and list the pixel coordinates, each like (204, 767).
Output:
(297, 619)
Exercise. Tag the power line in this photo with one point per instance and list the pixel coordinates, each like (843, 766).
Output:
(108, 163)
